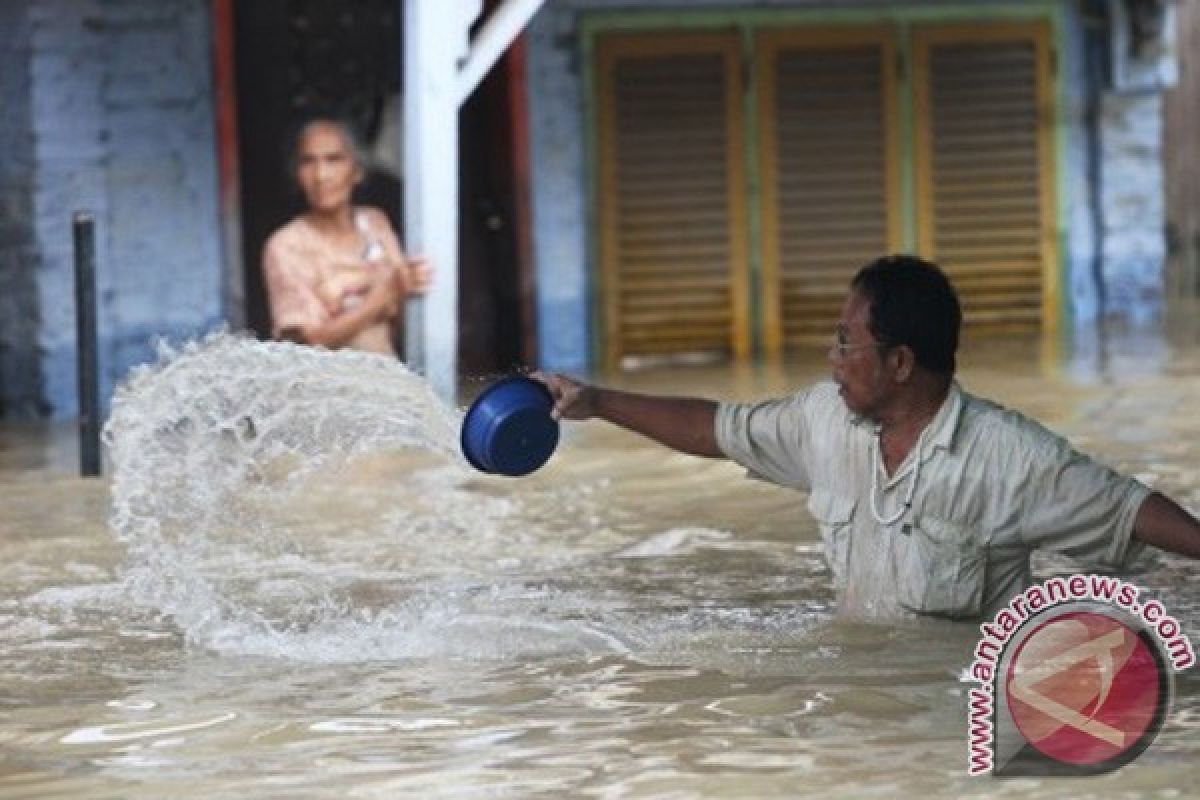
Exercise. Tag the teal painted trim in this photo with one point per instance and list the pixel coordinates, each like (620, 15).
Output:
(1058, 41)
(591, 160)
(906, 110)
(600, 21)
(753, 175)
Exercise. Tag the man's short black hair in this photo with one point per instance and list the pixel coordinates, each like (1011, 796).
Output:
(911, 302)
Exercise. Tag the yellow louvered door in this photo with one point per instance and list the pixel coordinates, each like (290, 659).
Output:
(985, 171)
(672, 196)
(830, 173)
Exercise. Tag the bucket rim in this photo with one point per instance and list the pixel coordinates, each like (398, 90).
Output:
(473, 409)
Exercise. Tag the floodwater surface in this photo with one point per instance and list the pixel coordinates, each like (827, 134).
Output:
(290, 585)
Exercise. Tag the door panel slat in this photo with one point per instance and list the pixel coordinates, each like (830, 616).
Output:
(671, 184)
(982, 157)
(830, 185)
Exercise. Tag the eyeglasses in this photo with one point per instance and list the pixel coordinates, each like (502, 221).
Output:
(839, 348)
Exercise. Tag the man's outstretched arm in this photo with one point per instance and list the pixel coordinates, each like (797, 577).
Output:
(686, 424)
(1161, 522)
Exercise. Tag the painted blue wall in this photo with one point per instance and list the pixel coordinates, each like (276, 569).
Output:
(1133, 198)
(20, 384)
(559, 205)
(120, 116)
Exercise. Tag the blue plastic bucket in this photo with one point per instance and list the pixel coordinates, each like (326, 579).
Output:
(508, 430)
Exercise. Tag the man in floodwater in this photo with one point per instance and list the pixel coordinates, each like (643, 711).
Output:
(929, 500)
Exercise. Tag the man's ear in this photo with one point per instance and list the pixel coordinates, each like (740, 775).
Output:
(904, 361)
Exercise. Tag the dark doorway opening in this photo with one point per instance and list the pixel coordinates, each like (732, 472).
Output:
(296, 59)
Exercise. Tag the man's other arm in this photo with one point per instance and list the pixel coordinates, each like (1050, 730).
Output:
(1161, 522)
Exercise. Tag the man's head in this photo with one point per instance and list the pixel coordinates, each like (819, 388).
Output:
(899, 326)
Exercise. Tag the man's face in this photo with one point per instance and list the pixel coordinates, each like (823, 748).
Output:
(859, 363)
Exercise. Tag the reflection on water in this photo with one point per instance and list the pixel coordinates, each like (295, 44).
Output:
(292, 586)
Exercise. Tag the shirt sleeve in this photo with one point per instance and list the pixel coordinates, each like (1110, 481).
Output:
(1080, 507)
(291, 290)
(767, 438)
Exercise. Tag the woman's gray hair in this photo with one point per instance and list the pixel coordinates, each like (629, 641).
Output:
(345, 129)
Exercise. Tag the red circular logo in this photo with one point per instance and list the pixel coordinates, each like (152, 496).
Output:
(1085, 689)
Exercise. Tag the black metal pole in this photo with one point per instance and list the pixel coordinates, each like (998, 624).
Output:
(84, 225)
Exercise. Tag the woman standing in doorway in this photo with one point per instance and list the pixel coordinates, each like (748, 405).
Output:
(336, 275)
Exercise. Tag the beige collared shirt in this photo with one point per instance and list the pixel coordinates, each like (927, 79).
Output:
(990, 486)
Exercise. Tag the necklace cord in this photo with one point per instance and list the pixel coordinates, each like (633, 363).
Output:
(876, 467)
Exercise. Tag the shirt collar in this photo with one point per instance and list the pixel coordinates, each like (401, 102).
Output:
(943, 426)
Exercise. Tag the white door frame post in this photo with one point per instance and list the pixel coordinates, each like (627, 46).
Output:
(441, 69)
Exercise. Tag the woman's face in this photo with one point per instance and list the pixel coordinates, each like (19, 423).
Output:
(326, 169)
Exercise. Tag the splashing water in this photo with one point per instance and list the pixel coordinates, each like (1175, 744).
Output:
(292, 502)
(237, 497)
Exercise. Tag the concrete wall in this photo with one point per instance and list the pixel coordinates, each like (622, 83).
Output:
(1134, 236)
(559, 186)
(1133, 159)
(1129, 235)
(120, 116)
(20, 384)
(1180, 136)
